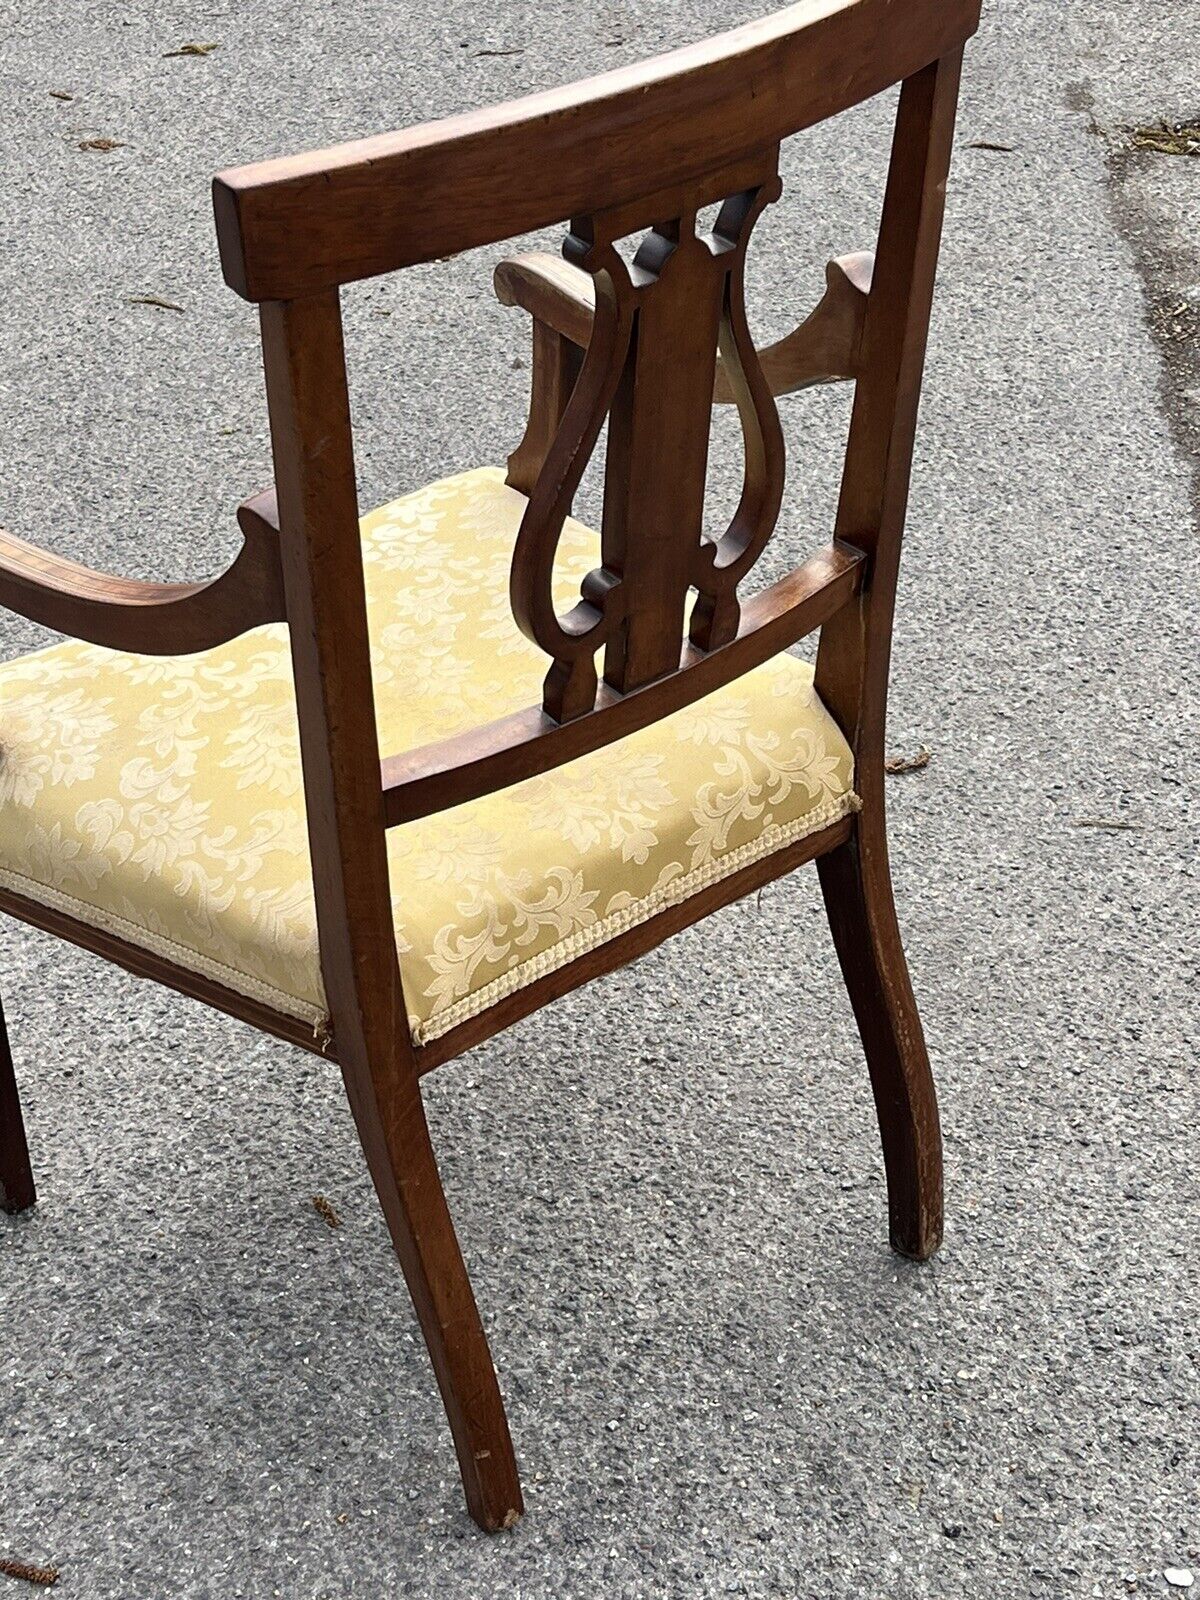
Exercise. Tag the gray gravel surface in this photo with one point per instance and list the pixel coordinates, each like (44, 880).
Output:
(668, 1187)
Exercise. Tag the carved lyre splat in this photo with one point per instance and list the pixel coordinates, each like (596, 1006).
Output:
(649, 369)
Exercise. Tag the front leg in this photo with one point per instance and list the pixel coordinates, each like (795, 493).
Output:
(395, 1138)
(16, 1176)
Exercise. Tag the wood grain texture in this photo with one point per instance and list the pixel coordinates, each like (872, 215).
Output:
(556, 293)
(309, 411)
(149, 618)
(378, 204)
(571, 640)
(855, 649)
(723, 562)
(658, 453)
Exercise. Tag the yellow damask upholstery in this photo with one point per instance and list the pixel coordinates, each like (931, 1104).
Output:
(161, 798)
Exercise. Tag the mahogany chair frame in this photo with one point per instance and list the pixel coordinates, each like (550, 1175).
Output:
(292, 232)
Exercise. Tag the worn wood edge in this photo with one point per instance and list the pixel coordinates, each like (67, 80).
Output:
(550, 289)
(626, 947)
(375, 205)
(526, 743)
(143, 963)
(149, 618)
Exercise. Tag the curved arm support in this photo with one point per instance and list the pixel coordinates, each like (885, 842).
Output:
(724, 563)
(572, 640)
(150, 618)
(823, 349)
(826, 347)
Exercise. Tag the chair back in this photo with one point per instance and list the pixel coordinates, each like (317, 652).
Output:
(634, 155)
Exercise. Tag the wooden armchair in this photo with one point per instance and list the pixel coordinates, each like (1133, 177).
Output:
(434, 819)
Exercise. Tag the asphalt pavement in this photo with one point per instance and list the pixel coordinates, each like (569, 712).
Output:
(668, 1186)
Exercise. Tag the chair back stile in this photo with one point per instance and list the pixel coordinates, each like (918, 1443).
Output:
(855, 646)
(309, 408)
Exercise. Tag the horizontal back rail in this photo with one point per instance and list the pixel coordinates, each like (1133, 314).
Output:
(451, 771)
(299, 224)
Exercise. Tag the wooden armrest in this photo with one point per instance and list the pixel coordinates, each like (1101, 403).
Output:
(823, 349)
(150, 618)
(550, 289)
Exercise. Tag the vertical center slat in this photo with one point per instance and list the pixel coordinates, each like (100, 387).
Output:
(658, 457)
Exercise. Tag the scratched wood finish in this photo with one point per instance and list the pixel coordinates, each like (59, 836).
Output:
(639, 149)
(554, 373)
(826, 346)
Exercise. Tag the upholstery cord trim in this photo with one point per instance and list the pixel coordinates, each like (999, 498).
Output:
(179, 955)
(577, 944)
(560, 954)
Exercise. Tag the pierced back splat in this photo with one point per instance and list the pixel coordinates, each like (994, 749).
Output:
(649, 369)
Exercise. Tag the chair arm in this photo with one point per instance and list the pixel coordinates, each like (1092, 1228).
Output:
(823, 349)
(150, 618)
(551, 290)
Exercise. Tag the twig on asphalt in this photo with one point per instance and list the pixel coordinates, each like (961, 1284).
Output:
(1116, 824)
(46, 1576)
(152, 300)
(912, 763)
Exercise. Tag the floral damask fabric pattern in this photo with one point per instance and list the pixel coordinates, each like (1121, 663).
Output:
(161, 797)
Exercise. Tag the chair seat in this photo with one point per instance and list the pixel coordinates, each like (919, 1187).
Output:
(160, 798)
